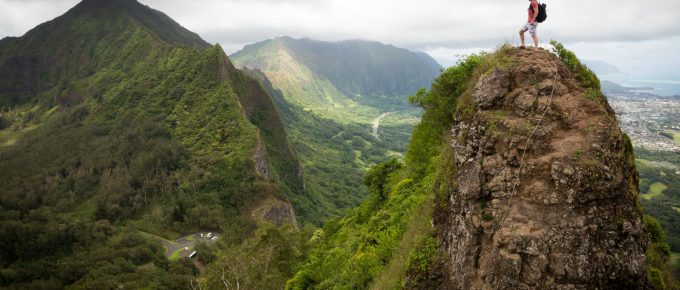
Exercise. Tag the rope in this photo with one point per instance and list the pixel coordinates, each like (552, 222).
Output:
(526, 147)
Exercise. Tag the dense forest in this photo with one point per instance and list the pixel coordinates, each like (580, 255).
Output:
(120, 127)
(661, 188)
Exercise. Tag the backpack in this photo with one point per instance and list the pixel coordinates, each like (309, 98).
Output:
(542, 13)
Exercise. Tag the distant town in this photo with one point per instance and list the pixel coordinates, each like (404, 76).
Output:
(651, 121)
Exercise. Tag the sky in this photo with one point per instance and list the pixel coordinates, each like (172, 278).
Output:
(641, 38)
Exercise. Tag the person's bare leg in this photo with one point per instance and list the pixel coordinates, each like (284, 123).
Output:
(521, 36)
(535, 36)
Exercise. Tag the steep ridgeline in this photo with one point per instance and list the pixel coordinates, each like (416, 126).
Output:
(116, 120)
(517, 177)
(329, 94)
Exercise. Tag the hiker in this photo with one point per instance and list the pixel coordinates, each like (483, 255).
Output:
(531, 24)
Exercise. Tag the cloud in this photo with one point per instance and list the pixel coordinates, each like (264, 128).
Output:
(404, 22)
(655, 58)
(440, 27)
(430, 22)
(450, 56)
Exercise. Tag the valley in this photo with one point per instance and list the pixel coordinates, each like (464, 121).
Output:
(652, 121)
(329, 94)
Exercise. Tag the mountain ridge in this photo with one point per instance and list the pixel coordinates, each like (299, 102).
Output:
(79, 42)
(356, 71)
(120, 127)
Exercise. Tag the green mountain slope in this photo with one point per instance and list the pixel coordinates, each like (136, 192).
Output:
(76, 45)
(116, 119)
(330, 95)
(348, 78)
(365, 69)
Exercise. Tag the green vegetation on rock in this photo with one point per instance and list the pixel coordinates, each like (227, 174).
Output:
(584, 75)
(659, 273)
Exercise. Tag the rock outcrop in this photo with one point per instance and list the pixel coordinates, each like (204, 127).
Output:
(276, 210)
(261, 162)
(560, 211)
(281, 213)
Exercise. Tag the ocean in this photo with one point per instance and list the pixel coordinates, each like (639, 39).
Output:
(655, 86)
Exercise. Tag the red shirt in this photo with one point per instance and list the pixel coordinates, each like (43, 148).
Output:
(534, 5)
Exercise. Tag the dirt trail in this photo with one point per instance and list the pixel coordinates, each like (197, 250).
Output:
(376, 124)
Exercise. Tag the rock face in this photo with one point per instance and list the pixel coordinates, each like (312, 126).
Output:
(280, 213)
(571, 218)
(276, 210)
(261, 162)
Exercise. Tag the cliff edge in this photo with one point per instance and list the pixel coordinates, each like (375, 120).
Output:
(544, 194)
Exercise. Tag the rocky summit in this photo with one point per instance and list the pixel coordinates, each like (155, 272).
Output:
(545, 194)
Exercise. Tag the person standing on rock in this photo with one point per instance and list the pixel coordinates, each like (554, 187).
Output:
(531, 24)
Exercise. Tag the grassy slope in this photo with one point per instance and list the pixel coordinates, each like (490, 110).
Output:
(656, 189)
(375, 240)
